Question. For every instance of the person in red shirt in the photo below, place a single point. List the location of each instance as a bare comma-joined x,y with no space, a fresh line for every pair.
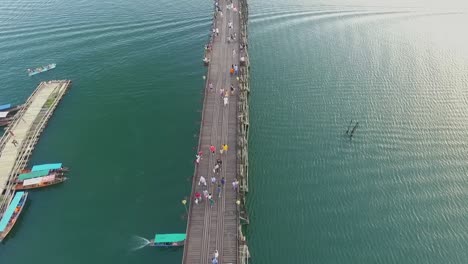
212,149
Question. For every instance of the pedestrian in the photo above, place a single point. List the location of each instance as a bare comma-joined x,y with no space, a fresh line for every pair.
198,196
14,142
226,100
217,30
202,181
198,158
216,254
235,185
219,190
211,200
236,69
225,147
232,89
205,194
219,161
212,149
196,200
211,86
213,180
216,168
231,71
223,181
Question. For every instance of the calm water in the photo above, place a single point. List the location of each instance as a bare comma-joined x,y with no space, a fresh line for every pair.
396,193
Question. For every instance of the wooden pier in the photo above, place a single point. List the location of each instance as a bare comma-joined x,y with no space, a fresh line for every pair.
219,227
21,136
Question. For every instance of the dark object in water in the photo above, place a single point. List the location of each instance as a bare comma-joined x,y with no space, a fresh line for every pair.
349,126
354,129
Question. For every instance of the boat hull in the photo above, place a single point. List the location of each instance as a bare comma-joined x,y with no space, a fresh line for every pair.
169,244
19,186
13,219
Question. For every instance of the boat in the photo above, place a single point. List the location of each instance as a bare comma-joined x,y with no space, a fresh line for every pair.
37,70
12,213
55,167
6,121
39,182
168,240
10,108
48,166
38,174
7,114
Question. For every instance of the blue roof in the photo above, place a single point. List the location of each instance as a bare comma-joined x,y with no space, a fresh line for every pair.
5,106
10,210
50,166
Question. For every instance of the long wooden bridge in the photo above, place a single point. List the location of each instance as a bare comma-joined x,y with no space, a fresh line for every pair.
21,136
218,226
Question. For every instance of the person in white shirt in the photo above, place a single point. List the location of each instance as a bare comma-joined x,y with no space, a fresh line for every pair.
202,181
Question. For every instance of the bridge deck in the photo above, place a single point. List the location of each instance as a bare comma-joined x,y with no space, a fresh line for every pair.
20,138
215,228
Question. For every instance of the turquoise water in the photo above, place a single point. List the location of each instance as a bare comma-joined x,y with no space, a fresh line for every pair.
127,127
398,191
395,193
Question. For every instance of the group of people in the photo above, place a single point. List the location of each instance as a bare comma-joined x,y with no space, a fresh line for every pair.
234,70
214,184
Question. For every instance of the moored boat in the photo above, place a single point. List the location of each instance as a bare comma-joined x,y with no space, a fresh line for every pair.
40,182
10,108
38,174
48,166
37,70
6,121
12,213
168,240
7,113
55,167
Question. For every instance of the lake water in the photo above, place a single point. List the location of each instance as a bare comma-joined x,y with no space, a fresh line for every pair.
396,193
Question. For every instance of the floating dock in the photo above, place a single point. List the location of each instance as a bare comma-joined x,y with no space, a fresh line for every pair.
21,136
220,227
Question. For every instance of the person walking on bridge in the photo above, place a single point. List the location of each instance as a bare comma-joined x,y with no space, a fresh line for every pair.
202,181
225,147
213,180
210,198
212,149
218,190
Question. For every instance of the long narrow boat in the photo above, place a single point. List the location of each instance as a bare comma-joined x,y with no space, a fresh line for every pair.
168,240
37,70
55,167
7,113
6,121
10,108
12,213
40,182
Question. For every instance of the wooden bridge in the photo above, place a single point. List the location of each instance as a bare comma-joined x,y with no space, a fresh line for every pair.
21,136
224,121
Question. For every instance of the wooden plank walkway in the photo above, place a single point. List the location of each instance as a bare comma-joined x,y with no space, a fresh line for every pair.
215,227
29,123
